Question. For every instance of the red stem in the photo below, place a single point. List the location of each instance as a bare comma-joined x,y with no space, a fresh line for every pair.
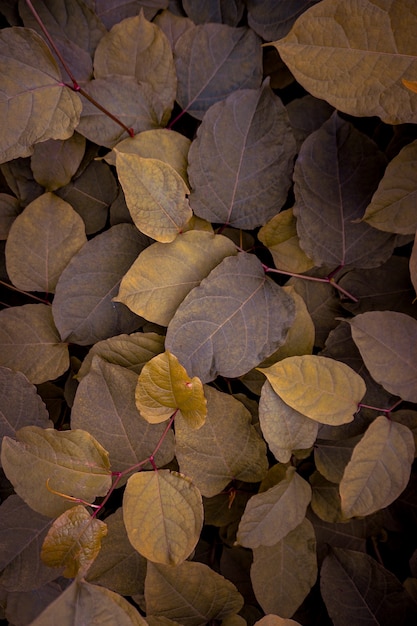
329,279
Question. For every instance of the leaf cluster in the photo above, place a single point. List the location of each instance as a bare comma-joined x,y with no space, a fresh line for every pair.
208,370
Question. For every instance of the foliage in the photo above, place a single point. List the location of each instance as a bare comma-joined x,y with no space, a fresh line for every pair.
207,329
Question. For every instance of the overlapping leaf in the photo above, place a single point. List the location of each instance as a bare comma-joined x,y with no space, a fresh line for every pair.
9,210
235,305
54,162
163,515
165,273
226,447
346,164
375,58
35,106
379,468
111,14
274,620
43,461
224,12
272,20
173,25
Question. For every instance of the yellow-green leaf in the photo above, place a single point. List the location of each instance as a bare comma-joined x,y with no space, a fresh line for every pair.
42,462
163,515
375,47
73,541
41,242
379,468
164,386
165,273
271,515
323,389
155,195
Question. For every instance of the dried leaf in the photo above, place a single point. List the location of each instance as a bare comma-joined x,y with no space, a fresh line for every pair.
54,162
9,210
272,20
222,11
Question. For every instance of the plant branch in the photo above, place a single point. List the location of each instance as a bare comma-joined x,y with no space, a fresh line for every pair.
328,279
25,293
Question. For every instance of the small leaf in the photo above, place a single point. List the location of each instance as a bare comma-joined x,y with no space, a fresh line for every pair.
73,541
235,305
111,14
54,162
164,386
155,195
386,342
320,388
379,468
165,273
222,449
224,12
41,242
271,515
191,593
172,25
295,555
274,620
70,462
30,343
9,210
163,515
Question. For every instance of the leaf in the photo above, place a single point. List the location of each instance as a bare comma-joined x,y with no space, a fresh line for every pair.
83,307
163,515
370,592
274,620
19,178
284,428
155,195
306,115
83,602
352,166
104,405
41,242
22,531
392,208
379,468
41,460
320,388
241,162
9,210
73,541
235,305
212,61
164,387
222,449
54,162
271,515
279,235
135,47
295,555
20,404
325,500
30,343
165,273
413,266
272,20
191,593
385,340
331,457
375,59
35,105
223,11
173,25
117,10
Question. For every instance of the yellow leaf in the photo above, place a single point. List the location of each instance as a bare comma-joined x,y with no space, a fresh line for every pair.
73,541
323,389
164,386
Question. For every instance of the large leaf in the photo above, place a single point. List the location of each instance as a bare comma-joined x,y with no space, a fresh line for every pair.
73,541
191,593
323,389
43,461
269,516
351,166
212,61
164,387
83,309
104,405
295,555
163,515
41,242
30,343
155,195
375,47
34,104
203,456
241,162
238,306
379,468
386,341
165,273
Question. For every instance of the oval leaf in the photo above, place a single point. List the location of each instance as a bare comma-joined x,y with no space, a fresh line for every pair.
323,389
238,306
55,162
379,468
163,515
